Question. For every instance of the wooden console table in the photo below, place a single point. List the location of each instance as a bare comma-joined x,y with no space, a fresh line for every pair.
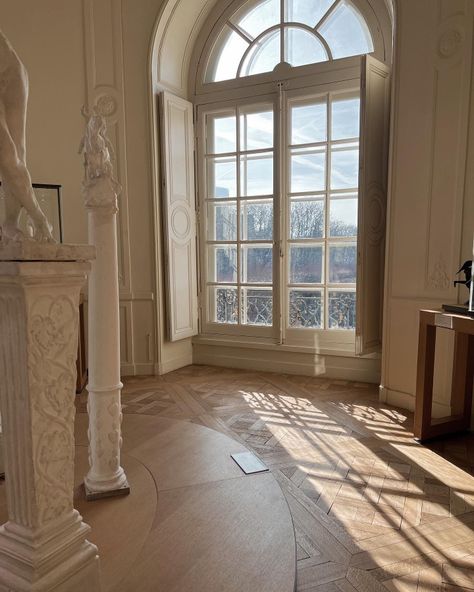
463,374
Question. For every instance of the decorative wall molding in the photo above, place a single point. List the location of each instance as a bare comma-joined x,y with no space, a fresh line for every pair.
106,105
452,68
439,278
376,213
126,333
450,42
105,88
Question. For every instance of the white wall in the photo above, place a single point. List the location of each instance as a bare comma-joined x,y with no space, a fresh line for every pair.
432,180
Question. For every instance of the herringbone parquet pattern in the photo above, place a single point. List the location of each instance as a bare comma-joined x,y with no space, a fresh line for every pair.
373,510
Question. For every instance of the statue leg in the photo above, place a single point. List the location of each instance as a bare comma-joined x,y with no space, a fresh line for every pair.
10,227
12,215
13,169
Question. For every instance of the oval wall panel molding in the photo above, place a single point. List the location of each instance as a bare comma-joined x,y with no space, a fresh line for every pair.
181,222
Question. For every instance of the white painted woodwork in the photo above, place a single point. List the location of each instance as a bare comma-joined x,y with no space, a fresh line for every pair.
373,171
177,133
43,545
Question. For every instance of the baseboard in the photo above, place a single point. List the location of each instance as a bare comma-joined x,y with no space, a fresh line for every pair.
173,364
127,369
140,369
397,398
407,401
337,367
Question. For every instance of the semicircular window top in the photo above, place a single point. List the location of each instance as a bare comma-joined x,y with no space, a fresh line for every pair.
260,35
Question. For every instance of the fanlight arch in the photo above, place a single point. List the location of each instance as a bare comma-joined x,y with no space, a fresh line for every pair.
262,34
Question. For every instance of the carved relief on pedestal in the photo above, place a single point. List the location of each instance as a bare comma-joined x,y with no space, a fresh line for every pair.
52,349
115,435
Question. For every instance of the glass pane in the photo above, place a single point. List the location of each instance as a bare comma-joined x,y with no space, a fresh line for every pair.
342,264
224,305
258,19
221,134
263,56
257,306
256,174
306,265
306,219
346,32
256,130
309,123
308,171
225,56
257,264
222,264
345,169
343,217
222,222
222,177
342,310
309,12
256,220
306,309
345,118
302,47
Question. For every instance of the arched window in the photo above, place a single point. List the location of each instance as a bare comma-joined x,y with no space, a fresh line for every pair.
290,114
263,34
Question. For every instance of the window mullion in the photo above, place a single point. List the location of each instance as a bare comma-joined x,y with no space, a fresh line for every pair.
327,210
239,194
282,31
282,209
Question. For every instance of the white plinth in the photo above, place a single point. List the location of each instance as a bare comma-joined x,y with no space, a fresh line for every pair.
43,546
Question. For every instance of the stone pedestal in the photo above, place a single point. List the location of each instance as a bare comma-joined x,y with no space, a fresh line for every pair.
43,546
106,477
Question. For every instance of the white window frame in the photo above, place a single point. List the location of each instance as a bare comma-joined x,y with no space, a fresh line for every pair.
340,76
374,12
307,335
207,326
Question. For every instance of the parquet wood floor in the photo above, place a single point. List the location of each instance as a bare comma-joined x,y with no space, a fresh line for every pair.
373,510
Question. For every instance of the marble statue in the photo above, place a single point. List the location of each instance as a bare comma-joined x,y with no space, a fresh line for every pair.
100,188
14,173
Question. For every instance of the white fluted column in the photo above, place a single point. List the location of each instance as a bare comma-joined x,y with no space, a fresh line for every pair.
43,546
106,477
